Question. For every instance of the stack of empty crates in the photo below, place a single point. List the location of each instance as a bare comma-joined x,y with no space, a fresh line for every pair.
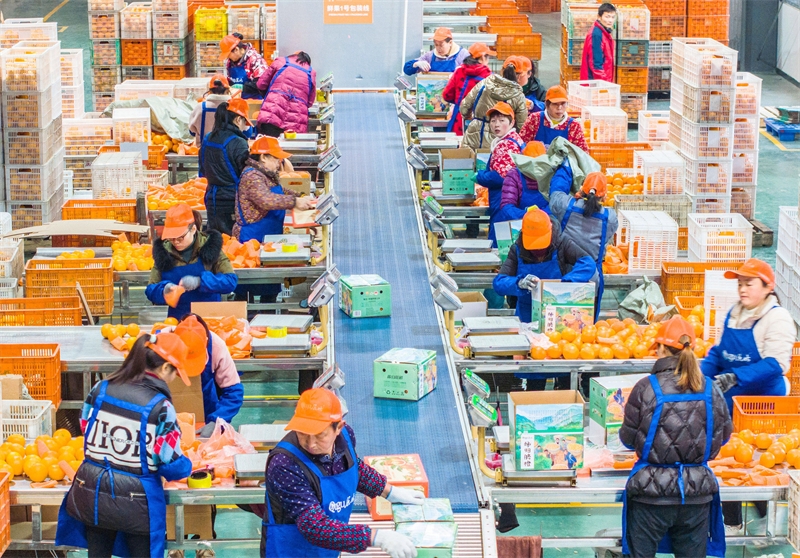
708,18
72,87
210,27
787,261
33,142
702,105
667,20
599,103
173,43
745,144
104,31
136,42
633,42
269,36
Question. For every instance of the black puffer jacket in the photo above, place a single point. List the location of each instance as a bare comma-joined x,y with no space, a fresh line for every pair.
680,438
213,162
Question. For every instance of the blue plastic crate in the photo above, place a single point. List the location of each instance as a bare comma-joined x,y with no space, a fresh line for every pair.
782,130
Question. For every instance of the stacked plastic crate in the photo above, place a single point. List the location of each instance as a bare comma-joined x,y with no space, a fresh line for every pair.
33,141
136,43
708,18
12,259
577,20
702,102
246,20
745,144
667,20
633,43
174,44
269,35
82,139
787,261
210,26
514,33
72,87
104,31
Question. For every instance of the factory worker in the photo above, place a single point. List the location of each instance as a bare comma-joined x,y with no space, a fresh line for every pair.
474,69
291,89
201,121
446,55
754,353
520,192
675,420
534,90
186,257
116,503
553,122
243,65
313,475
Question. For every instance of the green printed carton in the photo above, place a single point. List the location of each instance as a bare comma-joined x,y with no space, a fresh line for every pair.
457,167
432,539
546,429
365,296
607,398
408,374
557,306
506,233
432,509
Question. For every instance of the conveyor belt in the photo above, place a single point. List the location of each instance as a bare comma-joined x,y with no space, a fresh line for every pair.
377,232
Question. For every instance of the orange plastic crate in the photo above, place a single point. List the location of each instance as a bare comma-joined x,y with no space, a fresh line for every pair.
688,278
770,414
508,11
170,72
555,5
501,20
80,241
49,311
123,209
632,80
5,511
616,155
685,303
708,7
683,238
710,27
39,364
59,277
794,370
529,45
137,52
664,8
568,72
509,29
156,157
540,7
663,28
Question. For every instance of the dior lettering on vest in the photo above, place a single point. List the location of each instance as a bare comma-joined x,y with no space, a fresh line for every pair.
116,438
735,358
336,507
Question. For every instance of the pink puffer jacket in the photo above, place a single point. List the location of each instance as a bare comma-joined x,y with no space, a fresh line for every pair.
290,96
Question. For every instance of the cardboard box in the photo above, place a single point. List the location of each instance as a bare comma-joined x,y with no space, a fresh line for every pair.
365,296
607,435
474,305
408,374
506,233
430,89
188,399
400,470
237,309
299,184
457,167
432,539
432,509
546,429
608,395
11,386
557,305
196,521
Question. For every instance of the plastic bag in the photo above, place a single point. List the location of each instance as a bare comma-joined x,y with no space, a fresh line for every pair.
219,450
645,304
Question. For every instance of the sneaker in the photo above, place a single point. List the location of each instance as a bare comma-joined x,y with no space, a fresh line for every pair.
734,530
205,553
175,554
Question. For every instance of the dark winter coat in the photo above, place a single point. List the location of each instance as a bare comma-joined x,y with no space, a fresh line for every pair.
680,438
213,164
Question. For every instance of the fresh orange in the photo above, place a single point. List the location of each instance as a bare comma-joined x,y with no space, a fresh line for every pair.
763,441
744,454
171,321
699,349
105,330
570,351
553,351
589,334
31,450
553,336
617,326
75,464
747,437
767,460
778,451
640,351
605,353
588,352
788,442
795,432
621,352
16,439
37,472
602,323
568,335
728,450
133,329
55,472
5,467
76,443
538,353
28,460
15,460
793,457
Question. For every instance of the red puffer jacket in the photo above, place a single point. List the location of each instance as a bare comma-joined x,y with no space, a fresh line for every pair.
461,82
598,54
292,91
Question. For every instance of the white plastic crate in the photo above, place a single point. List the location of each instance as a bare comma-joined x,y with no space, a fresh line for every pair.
35,182
101,100
269,20
719,296
104,25
13,31
794,508
9,288
710,204
207,55
659,54
171,24
704,62
135,73
676,206
106,5
84,136
605,124
663,171
700,141
156,178
136,21
36,213
653,126
71,67
31,66
30,419
168,5
105,79
725,237
12,258
106,52
701,105
633,104
245,20
191,88
652,238
69,190
207,73
633,22
783,271
745,134
748,94
117,175
31,110
5,226
143,89
708,177
787,232
593,93
745,168
131,125
743,201
81,169
72,102
580,18
33,146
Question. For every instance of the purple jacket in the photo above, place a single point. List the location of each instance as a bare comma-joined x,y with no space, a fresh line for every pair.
290,95
511,200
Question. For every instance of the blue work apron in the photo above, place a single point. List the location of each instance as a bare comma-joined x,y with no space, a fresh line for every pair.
72,532
210,198
288,94
184,306
716,528
496,194
530,197
444,64
237,75
740,345
547,135
338,496
460,98
536,104
204,109
603,218
483,120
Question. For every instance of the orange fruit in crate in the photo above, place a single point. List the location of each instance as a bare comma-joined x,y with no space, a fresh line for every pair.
538,353
767,460
763,441
570,351
747,437
699,349
778,451
698,311
553,351
793,457
744,453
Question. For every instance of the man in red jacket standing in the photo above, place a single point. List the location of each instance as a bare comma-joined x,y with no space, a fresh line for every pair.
598,49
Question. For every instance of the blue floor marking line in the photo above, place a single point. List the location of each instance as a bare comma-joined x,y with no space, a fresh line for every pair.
377,233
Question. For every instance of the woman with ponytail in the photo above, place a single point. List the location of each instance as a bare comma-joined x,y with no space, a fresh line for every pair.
676,420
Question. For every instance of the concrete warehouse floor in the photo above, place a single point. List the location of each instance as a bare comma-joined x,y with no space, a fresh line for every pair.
779,166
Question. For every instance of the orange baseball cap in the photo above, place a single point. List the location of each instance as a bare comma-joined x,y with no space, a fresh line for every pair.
226,46
534,149
595,181
672,331
501,108
556,94
217,80
537,230
479,49
317,409
194,335
753,268
173,349
177,221
442,33
266,145
513,60
524,64
239,106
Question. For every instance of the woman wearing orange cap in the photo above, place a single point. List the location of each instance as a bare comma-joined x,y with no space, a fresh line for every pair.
201,123
553,122
675,420
521,192
754,354
116,503
474,69
243,65
446,55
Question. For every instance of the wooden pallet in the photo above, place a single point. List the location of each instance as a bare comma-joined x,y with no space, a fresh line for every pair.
763,236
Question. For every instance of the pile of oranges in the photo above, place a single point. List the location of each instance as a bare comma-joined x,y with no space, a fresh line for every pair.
54,457
619,183
87,254
775,450
163,197
121,337
607,340
131,257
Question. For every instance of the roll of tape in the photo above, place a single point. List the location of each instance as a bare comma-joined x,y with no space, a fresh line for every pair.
200,479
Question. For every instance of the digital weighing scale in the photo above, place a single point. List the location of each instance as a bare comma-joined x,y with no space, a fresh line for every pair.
301,255
294,323
291,345
499,345
492,325
264,437
303,240
473,246
250,466
473,261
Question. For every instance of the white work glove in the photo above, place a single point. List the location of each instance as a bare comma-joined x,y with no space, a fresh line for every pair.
528,282
190,282
399,495
396,545
423,66
207,430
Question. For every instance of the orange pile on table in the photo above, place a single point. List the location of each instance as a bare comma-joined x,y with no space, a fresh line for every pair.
163,197
242,255
750,459
236,334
